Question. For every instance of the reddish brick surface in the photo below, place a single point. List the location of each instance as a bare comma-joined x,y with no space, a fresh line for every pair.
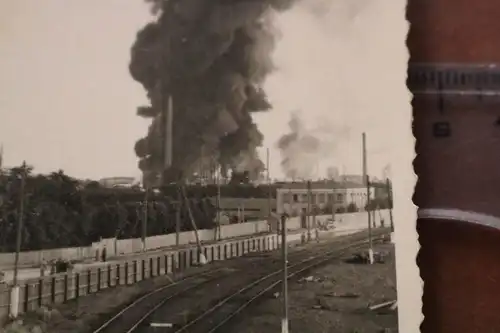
459,262
454,30
461,171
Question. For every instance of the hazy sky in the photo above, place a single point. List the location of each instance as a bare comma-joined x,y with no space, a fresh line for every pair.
67,100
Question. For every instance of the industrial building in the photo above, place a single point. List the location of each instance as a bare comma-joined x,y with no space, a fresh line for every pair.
293,198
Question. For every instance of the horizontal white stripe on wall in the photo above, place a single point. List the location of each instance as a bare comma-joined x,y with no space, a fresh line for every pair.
459,215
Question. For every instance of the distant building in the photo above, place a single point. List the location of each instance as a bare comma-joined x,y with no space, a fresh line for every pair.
293,198
357,179
332,173
118,182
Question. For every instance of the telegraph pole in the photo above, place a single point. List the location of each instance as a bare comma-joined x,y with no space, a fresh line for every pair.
20,223
178,219
365,167
333,202
389,197
370,243
308,218
169,119
269,199
366,180
284,253
145,218
219,212
14,296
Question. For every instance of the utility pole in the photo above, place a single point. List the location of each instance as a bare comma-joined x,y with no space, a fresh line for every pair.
308,217
14,309
284,254
366,180
169,119
389,197
219,212
370,243
365,167
20,223
178,219
269,199
145,218
334,197
201,172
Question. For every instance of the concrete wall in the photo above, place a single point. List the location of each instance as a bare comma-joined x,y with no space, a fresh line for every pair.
126,246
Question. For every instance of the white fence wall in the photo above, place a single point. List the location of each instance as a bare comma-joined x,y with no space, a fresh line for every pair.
127,246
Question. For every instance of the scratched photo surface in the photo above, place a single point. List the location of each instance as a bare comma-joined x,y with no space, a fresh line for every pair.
206,166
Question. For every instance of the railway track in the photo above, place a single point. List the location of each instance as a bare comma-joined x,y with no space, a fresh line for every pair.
260,279
223,312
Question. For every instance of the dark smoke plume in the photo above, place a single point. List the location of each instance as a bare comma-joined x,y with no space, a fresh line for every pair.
212,56
300,149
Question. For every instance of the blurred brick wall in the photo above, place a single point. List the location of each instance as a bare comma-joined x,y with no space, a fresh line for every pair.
459,262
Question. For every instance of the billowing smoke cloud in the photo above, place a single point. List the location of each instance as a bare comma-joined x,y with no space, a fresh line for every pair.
303,148
212,58
299,150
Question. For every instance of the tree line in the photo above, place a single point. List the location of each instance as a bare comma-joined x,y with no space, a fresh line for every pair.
58,211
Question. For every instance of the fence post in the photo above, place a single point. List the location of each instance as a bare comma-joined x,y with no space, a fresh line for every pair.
165,259
127,273
136,269
98,279
53,290
40,292
89,281
143,269
65,292
108,276
182,261
158,266
77,285
26,297
118,275
151,267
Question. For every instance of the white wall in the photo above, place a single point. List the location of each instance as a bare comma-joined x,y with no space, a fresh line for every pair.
127,246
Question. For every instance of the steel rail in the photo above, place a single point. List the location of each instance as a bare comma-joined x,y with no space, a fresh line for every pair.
143,301
139,301
316,261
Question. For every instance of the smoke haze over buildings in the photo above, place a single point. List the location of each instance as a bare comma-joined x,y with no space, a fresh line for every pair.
66,106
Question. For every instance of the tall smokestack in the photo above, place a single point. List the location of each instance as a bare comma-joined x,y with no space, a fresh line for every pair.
169,120
364,159
1,156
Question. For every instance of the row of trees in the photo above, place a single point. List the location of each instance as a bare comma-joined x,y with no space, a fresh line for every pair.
59,212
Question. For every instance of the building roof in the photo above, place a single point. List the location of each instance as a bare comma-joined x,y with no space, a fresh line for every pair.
324,184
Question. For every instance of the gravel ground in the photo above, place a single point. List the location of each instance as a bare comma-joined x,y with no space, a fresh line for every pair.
318,306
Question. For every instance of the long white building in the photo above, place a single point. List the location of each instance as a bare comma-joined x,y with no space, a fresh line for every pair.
293,199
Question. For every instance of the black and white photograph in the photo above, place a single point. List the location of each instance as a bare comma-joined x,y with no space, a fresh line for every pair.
206,166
